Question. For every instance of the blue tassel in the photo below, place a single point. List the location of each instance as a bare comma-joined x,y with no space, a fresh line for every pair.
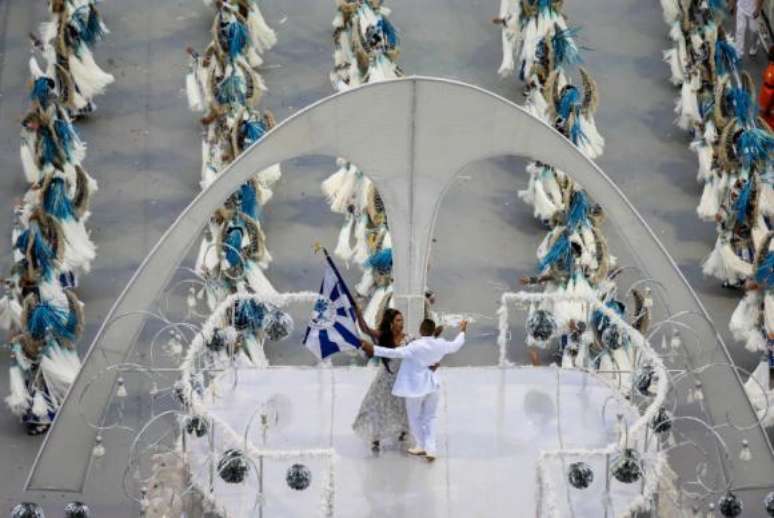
744,109
41,91
381,261
388,31
249,313
560,252
49,153
46,318
705,107
55,201
566,50
576,133
570,100
233,246
544,6
88,25
253,131
742,203
764,275
753,145
237,38
231,90
726,58
579,210
249,200
42,253
66,135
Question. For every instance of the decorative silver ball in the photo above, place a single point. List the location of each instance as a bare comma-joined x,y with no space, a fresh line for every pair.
27,510
730,505
232,467
541,325
77,510
298,477
768,504
643,379
277,325
626,466
580,475
662,421
197,425
612,337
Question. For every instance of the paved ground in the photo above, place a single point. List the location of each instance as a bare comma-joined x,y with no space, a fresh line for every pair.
144,150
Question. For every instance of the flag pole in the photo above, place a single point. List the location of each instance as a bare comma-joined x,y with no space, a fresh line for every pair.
317,248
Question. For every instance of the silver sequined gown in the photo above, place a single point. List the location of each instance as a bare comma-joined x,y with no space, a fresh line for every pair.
382,416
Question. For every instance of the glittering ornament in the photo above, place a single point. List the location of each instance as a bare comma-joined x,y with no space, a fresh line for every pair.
626,467
298,477
541,325
730,505
768,504
27,510
196,425
217,342
580,475
76,510
662,421
643,379
612,337
233,467
277,325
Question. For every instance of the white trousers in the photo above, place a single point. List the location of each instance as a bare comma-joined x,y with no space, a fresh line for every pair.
745,22
422,419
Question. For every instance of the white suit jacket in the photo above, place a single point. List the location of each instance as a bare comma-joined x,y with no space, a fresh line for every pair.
415,379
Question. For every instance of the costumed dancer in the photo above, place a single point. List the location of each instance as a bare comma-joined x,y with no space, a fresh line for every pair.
66,42
225,86
365,50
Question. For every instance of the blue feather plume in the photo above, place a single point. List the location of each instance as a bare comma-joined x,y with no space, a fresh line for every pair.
742,203
237,36
232,90
764,274
41,91
56,202
42,253
249,200
388,31
249,313
579,210
88,24
49,150
381,261
744,109
66,135
568,102
560,252
726,58
754,144
233,246
719,6
253,131
566,50
45,318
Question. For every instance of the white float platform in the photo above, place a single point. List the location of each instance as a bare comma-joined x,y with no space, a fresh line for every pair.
493,424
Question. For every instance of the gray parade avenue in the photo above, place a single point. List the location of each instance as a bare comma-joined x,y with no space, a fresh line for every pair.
144,150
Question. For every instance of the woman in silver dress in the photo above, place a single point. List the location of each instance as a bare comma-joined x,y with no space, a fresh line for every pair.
382,416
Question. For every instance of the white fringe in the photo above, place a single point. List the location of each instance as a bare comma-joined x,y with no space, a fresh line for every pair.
91,79
31,171
19,398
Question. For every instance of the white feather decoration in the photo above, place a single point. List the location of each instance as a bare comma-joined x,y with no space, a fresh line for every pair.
31,171
194,92
19,398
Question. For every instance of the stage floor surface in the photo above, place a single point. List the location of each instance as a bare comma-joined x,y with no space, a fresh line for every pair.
493,424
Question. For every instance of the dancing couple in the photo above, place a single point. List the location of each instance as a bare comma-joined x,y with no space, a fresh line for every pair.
403,396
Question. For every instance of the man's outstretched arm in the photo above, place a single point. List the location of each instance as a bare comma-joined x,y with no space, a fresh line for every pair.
456,344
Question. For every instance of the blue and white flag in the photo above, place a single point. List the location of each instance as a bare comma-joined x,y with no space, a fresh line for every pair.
333,324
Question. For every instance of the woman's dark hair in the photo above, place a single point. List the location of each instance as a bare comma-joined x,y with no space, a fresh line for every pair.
386,339
771,53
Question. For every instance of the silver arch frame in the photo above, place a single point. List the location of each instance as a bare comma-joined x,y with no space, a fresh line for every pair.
412,136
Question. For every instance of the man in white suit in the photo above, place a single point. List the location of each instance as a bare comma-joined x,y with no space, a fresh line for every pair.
418,383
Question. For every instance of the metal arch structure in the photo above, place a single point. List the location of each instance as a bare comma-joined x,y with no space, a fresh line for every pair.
412,136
